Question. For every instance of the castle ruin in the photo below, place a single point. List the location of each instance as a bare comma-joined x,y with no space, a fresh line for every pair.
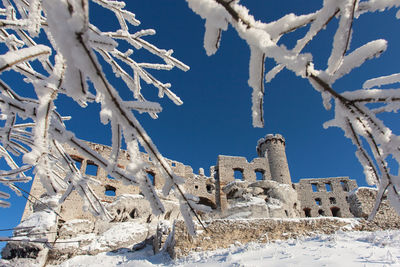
236,189
231,178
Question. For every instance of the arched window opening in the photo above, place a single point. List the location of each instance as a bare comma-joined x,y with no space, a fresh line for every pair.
238,174
207,202
110,191
321,212
314,187
318,201
260,174
196,187
134,213
307,212
78,161
336,212
328,187
332,200
344,185
287,213
91,168
151,177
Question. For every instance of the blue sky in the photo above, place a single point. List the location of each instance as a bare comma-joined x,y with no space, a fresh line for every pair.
215,118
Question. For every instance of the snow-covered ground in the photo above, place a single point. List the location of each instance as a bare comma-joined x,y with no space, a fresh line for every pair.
342,249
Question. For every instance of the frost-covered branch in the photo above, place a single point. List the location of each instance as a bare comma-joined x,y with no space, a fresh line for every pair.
68,60
375,142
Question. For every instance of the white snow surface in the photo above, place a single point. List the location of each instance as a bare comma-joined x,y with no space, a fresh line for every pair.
380,248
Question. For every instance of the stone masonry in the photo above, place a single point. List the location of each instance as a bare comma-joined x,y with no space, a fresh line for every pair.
317,196
236,189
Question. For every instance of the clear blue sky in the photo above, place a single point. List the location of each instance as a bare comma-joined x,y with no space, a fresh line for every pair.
215,118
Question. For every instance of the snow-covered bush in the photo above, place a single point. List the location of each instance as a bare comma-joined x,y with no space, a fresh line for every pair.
375,142
56,48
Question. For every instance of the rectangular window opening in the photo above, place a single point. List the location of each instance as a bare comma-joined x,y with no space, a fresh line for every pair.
328,187
314,187
91,168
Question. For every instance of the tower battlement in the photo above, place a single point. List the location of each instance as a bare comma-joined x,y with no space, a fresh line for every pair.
269,138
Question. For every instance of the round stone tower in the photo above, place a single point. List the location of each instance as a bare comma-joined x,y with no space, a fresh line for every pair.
273,147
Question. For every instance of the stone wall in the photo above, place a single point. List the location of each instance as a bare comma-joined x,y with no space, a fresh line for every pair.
108,188
362,202
224,233
226,167
325,196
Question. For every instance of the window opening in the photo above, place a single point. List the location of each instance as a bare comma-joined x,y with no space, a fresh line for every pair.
134,213
344,185
238,174
336,212
91,168
287,213
321,212
151,177
77,161
110,191
259,175
196,187
314,187
209,188
307,212
318,201
332,200
328,187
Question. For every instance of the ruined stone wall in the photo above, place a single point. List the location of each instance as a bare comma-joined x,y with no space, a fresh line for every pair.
224,233
362,201
325,196
226,167
108,188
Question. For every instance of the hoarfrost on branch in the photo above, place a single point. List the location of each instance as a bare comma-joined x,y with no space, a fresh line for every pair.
375,142
56,48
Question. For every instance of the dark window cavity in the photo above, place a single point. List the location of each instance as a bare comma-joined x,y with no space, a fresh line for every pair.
134,213
318,201
209,188
321,212
110,191
307,212
344,185
332,200
336,212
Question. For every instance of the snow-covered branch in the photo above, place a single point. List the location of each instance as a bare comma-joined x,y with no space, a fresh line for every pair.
67,61
375,142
